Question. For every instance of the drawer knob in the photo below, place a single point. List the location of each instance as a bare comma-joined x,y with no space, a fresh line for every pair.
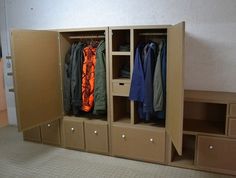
49,125
211,147
123,136
151,140
95,132
72,129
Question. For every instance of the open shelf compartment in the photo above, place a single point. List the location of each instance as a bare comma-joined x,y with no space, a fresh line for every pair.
146,35
121,40
121,109
188,154
156,119
205,117
120,67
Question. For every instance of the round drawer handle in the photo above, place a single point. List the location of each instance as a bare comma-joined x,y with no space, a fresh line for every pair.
151,140
123,136
72,129
211,147
95,132
49,125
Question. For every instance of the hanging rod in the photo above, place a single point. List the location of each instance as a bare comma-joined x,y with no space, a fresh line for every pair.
152,34
84,37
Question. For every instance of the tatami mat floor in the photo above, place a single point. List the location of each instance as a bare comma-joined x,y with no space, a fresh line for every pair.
25,159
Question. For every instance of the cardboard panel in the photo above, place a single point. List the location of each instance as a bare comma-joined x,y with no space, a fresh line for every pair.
140,144
74,134
216,153
232,127
51,133
232,109
96,137
175,87
33,134
37,80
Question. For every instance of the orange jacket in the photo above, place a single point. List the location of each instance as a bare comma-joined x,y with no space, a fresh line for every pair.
88,78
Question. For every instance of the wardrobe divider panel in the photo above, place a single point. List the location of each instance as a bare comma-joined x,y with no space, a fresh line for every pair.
33,134
36,77
175,87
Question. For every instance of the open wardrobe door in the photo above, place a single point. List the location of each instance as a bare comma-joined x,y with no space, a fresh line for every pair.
175,86
37,81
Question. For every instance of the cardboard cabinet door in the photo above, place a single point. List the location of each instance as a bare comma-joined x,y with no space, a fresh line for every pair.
175,86
37,81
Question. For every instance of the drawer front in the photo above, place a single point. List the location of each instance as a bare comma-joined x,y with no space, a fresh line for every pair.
96,137
137,143
218,153
74,134
120,88
51,133
33,134
232,127
232,109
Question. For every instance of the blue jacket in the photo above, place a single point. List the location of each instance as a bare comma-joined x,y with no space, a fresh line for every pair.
137,83
142,79
149,66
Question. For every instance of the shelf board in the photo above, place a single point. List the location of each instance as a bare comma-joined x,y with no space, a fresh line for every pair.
187,159
87,117
209,96
122,80
121,53
151,124
195,126
125,120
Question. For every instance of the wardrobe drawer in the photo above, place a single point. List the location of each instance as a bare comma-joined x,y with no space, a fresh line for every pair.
74,134
232,109
232,127
216,153
96,137
33,134
120,88
51,133
138,143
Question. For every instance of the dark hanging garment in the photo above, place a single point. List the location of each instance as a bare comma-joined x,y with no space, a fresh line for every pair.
161,115
67,80
76,78
100,91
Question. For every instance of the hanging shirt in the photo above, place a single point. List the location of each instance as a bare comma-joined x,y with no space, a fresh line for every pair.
88,78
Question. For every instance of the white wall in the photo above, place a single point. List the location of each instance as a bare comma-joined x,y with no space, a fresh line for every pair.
210,30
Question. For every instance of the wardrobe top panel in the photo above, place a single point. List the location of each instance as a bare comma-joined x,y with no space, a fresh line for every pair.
140,27
210,96
65,30
82,29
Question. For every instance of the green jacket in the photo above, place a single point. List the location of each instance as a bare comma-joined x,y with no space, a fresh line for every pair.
100,91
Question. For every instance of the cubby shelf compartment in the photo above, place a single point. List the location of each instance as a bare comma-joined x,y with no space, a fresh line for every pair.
205,117
120,37
121,67
121,109
188,156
